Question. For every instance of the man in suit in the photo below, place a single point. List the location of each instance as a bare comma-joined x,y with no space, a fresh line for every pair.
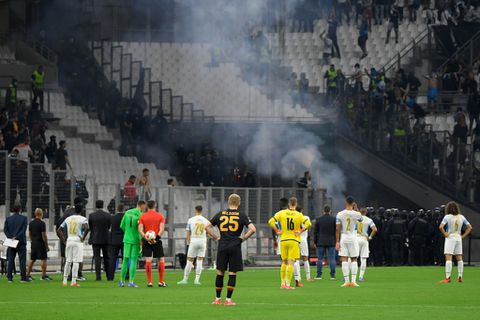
116,238
324,241
15,228
99,224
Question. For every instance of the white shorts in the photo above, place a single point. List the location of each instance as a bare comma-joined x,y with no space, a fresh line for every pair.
304,248
197,249
74,251
363,247
453,246
349,249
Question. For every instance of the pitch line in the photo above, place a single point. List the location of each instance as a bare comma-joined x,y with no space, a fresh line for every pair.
163,303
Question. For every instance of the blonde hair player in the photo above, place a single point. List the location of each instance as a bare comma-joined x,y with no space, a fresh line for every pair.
289,224
451,228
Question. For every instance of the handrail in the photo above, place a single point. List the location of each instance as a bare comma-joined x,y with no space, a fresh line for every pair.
459,51
406,50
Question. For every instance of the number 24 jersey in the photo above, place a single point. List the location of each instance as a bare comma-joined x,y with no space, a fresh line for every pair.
231,224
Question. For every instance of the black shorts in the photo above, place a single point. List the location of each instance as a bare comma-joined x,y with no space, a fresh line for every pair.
38,252
155,250
230,258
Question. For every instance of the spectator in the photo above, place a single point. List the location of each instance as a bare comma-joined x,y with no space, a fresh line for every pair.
129,190
324,241
357,78
38,83
11,98
331,76
379,6
144,185
303,91
116,239
393,21
413,6
99,224
327,48
368,12
358,9
24,150
432,95
332,35
363,37
51,149
343,7
39,244
413,85
400,4
341,82
294,89
15,228
61,157
38,149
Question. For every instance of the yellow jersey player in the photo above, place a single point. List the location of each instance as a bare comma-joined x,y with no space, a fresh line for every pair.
289,225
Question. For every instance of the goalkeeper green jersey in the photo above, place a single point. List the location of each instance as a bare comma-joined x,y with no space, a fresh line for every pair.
129,225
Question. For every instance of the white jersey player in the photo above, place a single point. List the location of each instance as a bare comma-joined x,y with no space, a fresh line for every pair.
76,229
347,242
304,255
451,228
363,228
197,241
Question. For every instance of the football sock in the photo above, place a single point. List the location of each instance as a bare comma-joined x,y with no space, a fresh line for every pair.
232,279
363,266
306,264
66,271
188,269
296,270
133,269
123,272
288,274
161,271
346,271
148,270
283,272
460,268
448,268
354,268
198,269
218,286
75,272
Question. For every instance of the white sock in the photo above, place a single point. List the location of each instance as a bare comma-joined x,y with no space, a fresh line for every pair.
198,270
346,271
66,271
296,270
75,272
354,268
363,266
188,269
460,268
448,269
306,264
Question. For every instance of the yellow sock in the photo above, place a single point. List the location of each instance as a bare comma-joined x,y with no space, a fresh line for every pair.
289,274
283,269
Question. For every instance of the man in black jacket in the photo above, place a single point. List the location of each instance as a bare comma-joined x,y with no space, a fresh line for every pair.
99,224
116,238
324,241
418,231
15,228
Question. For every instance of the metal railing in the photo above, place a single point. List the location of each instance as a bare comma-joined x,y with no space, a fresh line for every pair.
468,53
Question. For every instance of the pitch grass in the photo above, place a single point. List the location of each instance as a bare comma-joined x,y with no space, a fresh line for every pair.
389,293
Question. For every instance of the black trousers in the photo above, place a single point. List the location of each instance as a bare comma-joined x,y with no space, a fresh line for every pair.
116,251
21,250
104,248
38,94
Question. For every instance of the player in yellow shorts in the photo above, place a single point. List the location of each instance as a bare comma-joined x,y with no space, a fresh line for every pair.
289,224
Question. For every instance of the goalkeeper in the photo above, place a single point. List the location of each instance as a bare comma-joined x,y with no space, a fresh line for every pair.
131,243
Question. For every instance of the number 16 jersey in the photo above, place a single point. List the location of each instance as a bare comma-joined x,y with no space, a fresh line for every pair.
230,223
289,222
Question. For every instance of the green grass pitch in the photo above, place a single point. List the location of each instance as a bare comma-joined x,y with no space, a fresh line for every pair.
389,293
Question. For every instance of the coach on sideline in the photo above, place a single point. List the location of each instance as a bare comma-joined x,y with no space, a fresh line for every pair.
99,223
15,228
324,241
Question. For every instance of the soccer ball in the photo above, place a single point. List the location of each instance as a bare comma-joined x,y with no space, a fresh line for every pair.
150,235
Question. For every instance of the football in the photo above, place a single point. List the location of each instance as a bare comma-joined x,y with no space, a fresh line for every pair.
150,235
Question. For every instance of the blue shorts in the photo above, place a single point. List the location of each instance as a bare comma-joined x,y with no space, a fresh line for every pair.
432,95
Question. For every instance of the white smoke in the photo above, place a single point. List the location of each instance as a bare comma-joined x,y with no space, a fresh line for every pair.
288,150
